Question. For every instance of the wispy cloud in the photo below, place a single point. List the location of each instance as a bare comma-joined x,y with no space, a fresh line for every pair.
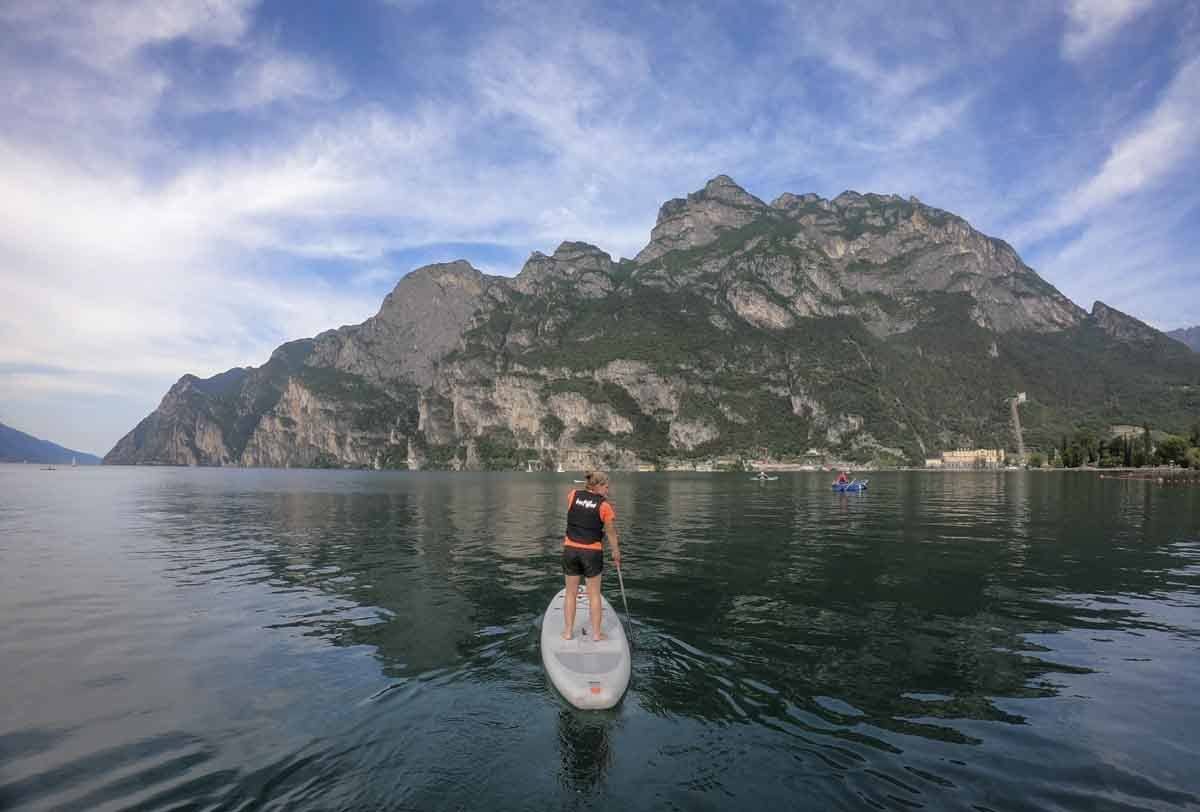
1129,256
262,79
1142,158
107,34
1139,161
1092,23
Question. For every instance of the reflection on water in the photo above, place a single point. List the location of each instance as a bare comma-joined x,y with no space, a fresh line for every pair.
583,740
272,639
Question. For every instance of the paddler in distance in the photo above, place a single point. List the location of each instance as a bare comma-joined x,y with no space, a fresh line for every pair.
590,518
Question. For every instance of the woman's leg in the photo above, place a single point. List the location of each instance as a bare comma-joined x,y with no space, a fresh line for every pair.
597,607
569,606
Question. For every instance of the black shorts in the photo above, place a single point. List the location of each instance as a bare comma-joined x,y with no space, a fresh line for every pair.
588,563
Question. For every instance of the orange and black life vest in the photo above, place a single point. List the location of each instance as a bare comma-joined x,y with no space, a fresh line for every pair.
584,525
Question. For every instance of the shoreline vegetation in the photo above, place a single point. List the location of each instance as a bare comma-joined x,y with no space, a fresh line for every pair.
1161,474
1124,452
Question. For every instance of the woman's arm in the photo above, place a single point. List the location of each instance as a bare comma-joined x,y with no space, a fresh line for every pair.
614,544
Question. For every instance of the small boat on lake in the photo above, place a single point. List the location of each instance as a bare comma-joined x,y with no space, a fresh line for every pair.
853,485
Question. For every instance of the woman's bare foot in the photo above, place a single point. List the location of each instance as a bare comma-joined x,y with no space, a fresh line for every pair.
598,636
568,636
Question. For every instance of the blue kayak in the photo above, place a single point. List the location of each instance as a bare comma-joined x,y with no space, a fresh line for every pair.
854,485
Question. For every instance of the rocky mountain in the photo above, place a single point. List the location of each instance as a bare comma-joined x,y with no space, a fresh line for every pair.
866,327
1189,336
17,446
1124,327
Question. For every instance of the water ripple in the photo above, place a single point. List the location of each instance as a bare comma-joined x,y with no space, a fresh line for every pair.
255,639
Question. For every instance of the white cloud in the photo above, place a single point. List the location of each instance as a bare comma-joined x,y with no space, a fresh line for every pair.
263,78
1092,23
375,275
104,274
106,34
931,120
873,44
1168,136
18,384
1139,162
94,88
1128,256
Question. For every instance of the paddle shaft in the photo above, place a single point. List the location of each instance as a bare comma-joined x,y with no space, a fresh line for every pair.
621,581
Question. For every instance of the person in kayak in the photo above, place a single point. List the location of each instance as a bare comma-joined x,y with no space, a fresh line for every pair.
843,479
590,518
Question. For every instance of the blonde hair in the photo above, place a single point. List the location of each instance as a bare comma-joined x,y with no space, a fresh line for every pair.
595,479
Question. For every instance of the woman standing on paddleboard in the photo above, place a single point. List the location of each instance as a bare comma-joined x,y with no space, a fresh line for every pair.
590,518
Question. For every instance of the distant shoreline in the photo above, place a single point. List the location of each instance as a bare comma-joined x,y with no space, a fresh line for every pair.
1146,473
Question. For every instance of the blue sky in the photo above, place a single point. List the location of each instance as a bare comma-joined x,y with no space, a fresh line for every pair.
186,184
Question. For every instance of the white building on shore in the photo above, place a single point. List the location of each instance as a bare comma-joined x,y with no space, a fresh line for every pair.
968,458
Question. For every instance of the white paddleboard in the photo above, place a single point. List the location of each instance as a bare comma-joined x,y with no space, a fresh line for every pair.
589,674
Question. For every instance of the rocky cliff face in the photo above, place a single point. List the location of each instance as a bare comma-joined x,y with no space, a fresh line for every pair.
699,219
420,321
183,430
1123,327
867,326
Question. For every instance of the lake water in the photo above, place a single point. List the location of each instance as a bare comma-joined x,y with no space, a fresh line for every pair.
242,639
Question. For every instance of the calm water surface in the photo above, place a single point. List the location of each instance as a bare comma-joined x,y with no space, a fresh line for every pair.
239,639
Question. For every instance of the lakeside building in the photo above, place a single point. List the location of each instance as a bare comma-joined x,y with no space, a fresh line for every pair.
968,458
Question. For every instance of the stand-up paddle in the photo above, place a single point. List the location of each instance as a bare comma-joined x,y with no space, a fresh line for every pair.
621,581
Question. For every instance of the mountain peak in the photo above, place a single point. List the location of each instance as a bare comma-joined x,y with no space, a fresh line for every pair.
574,251
458,268
428,280
725,189
697,220
787,201
1121,325
569,260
